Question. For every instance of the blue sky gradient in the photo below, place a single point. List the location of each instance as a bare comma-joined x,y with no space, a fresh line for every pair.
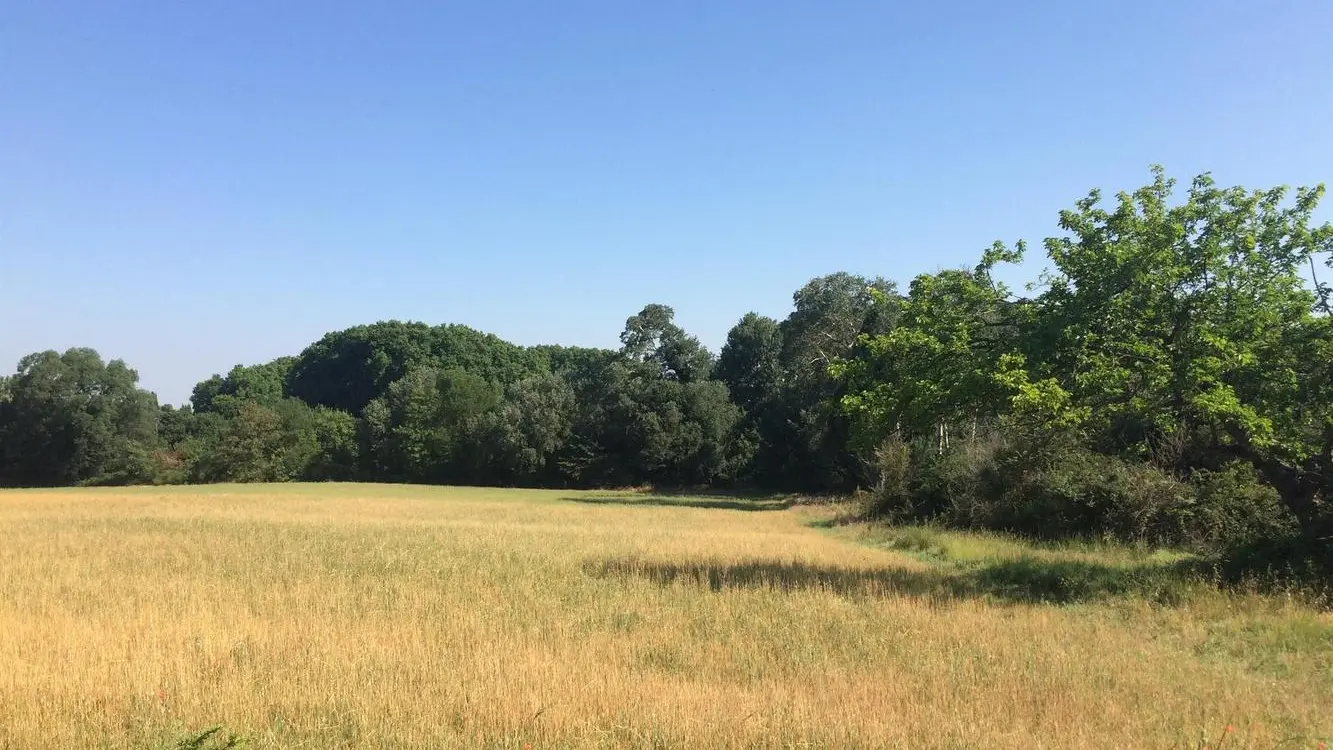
189,186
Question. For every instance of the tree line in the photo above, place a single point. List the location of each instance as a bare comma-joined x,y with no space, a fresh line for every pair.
1169,378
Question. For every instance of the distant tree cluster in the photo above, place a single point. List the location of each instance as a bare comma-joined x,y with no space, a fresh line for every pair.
1170,379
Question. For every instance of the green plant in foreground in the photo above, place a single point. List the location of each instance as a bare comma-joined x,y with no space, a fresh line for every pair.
213,738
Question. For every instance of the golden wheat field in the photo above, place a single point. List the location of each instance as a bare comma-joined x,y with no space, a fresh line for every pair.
323,616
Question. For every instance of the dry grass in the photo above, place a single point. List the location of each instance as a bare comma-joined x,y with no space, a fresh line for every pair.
376,616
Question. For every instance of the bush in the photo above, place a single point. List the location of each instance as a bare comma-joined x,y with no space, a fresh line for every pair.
1053,486
1073,491
1295,564
891,497
918,539
213,738
959,484
1234,508
1083,493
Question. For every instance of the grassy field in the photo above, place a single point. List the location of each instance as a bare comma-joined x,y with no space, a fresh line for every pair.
323,616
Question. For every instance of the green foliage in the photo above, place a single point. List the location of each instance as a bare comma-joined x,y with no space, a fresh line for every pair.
830,314
565,360
1194,320
337,455
348,369
651,337
960,483
1169,381
263,383
793,435
175,426
751,362
949,358
892,496
527,430
213,738
1174,345
71,418
1059,489
1234,508
425,427
260,443
1080,493
637,424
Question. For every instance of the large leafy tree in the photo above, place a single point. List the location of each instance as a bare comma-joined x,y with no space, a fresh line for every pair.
523,435
258,442
750,365
337,455
263,383
830,314
638,427
425,427
649,413
802,433
348,369
751,361
652,337
73,418
1191,325
949,359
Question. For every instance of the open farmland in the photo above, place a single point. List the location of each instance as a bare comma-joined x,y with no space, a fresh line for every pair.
393,616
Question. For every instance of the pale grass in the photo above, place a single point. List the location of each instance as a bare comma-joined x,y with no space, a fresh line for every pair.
327,616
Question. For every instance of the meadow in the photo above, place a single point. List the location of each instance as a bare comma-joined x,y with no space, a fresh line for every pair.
343,615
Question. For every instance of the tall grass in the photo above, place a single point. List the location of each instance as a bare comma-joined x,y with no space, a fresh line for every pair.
393,617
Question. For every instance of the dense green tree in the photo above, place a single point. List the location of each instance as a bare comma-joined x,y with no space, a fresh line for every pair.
636,426
205,391
348,369
653,338
257,442
175,425
750,365
947,360
650,414
802,433
751,361
831,312
423,429
262,383
72,418
1177,336
1191,328
521,437
406,440
337,454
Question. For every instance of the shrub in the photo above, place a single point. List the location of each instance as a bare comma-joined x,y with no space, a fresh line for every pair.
959,484
919,539
1234,508
1082,493
1053,486
213,738
891,497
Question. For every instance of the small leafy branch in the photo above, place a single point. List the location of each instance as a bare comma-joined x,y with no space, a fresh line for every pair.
213,738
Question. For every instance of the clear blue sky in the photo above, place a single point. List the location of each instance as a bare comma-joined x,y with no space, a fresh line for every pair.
192,185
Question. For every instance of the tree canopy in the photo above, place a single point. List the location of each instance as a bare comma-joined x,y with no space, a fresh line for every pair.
1170,375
